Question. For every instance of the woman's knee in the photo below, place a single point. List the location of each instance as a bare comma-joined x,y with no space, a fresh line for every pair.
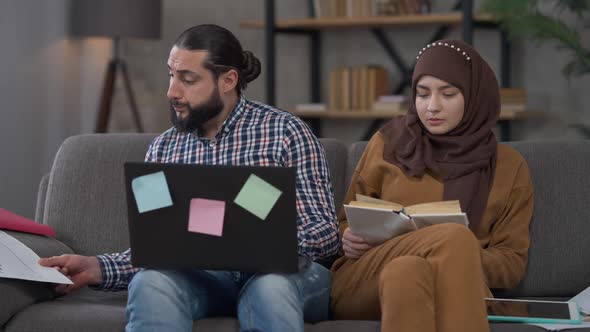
457,237
404,269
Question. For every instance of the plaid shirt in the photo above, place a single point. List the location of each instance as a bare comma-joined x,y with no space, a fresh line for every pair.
258,135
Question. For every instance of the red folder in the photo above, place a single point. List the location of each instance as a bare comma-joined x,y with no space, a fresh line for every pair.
14,222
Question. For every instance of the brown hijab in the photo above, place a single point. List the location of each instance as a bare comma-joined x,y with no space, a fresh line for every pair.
465,157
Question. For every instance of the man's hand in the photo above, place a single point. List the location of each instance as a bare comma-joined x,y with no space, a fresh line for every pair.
82,270
354,246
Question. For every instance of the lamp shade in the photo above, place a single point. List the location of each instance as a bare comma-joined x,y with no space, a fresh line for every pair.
116,18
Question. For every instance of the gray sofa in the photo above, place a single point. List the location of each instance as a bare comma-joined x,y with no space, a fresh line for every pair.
83,200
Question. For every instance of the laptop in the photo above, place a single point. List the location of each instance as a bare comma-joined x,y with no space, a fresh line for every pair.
160,238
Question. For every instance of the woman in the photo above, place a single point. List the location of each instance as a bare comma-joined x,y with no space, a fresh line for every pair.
435,278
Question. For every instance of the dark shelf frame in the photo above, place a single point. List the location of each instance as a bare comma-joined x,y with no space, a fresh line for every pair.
314,35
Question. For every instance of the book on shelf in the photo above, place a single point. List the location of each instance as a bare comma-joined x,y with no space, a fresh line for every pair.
316,107
392,103
356,88
367,8
513,96
386,8
513,107
516,93
377,220
513,99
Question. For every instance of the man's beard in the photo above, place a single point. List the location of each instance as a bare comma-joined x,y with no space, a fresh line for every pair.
198,115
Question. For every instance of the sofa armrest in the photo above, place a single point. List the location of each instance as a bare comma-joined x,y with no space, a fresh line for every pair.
18,294
41,195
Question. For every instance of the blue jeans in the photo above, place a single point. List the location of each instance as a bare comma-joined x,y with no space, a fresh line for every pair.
166,300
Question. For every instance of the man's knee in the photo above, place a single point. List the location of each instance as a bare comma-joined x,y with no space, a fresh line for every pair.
271,285
154,281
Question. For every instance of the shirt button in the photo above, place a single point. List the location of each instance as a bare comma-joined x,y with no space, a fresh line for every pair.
212,144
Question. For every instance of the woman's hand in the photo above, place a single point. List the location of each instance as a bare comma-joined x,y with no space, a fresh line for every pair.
354,246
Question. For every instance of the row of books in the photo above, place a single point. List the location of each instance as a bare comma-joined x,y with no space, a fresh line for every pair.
368,88
511,99
357,88
368,8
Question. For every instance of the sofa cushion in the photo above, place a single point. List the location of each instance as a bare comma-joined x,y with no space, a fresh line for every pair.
85,310
336,155
355,152
41,193
558,254
96,311
18,294
85,201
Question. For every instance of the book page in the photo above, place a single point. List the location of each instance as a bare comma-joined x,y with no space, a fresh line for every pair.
425,220
377,225
388,206
442,207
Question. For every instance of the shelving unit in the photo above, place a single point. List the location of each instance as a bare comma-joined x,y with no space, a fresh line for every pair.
462,15
505,119
451,19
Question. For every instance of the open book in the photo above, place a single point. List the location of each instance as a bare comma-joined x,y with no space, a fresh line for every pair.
377,220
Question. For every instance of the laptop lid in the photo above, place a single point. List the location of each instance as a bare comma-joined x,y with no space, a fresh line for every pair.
248,240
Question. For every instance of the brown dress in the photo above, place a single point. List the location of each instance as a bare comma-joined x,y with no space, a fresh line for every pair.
433,279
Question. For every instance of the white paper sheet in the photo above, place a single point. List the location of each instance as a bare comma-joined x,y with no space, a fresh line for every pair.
18,261
583,301
559,327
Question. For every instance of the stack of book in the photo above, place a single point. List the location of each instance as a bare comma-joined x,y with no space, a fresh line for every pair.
367,8
307,107
513,99
356,88
391,103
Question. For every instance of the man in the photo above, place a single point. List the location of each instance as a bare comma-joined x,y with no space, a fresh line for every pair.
215,124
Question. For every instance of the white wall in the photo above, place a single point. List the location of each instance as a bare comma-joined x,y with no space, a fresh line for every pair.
32,116
46,92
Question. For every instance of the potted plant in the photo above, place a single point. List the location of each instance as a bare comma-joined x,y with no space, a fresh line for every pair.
525,19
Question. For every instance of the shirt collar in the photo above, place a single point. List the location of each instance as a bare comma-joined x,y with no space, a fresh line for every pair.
233,117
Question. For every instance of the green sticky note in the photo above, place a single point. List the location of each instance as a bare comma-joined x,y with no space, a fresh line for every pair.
258,196
151,192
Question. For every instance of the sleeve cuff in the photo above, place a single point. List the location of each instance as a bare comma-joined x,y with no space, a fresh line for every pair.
107,267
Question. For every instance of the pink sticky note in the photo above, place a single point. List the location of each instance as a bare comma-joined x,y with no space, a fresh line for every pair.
206,216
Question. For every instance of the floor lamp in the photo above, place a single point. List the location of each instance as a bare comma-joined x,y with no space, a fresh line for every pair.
116,19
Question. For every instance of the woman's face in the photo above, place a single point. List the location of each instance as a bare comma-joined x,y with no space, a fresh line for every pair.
440,105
